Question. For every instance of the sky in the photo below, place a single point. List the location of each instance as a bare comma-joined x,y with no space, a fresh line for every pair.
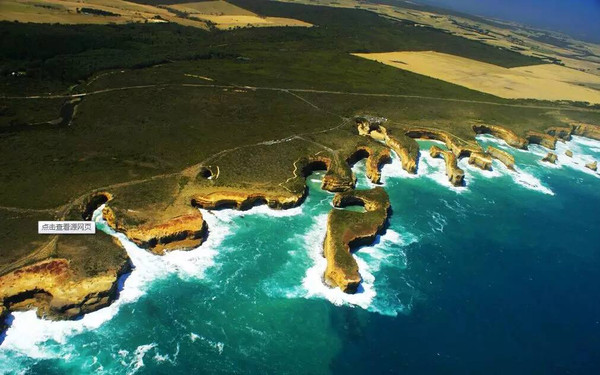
579,18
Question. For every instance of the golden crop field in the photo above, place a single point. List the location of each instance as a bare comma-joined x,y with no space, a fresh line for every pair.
543,82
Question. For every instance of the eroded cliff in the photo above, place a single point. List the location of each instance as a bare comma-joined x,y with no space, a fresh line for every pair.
455,174
347,230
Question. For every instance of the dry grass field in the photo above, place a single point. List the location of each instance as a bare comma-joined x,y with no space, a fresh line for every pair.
543,82
548,45
70,12
220,13
226,16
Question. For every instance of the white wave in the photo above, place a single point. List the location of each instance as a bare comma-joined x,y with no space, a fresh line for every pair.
587,142
435,169
228,215
472,170
529,181
138,357
217,345
360,171
159,358
369,260
266,211
582,154
584,150
313,281
27,333
455,206
520,176
439,222
394,169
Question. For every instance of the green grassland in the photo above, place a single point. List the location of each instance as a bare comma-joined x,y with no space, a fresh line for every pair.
56,56
456,117
146,114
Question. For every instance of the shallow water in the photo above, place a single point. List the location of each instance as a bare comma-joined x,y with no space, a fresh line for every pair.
500,276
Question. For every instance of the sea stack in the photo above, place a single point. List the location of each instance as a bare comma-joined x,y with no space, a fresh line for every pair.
455,174
593,166
550,158
348,229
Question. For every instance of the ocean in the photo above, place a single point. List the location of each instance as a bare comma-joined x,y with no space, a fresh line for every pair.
500,276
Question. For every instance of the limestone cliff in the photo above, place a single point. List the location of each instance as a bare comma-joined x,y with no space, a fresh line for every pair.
586,130
456,176
349,229
375,160
157,216
563,133
593,166
240,200
182,232
3,317
339,176
406,148
62,276
503,156
457,146
545,140
510,137
55,289
550,158
481,160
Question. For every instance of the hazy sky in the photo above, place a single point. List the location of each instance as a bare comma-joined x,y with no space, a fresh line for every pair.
581,17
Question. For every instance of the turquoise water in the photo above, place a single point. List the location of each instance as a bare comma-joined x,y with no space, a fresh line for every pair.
500,276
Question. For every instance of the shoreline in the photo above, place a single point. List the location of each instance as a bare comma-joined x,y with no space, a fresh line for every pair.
518,176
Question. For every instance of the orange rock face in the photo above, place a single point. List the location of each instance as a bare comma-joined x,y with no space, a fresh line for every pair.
503,156
348,229
179,233
456,176
52,288
508,136
481,161
545,140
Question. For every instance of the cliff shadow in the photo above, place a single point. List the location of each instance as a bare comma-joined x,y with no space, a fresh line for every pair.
5,325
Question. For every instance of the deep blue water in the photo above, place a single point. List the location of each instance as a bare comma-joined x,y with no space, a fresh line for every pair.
498,277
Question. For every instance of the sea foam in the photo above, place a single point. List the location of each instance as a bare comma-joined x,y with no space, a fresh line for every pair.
369,259
27,333
522,175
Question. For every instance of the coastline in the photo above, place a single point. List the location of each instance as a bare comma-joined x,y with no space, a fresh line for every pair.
374,298
168,231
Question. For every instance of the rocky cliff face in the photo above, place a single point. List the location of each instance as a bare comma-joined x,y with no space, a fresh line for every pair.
243,200
481,160
65,276
510,137
376,157
550,158
593,166
3,317
348,229
338,176
504,157
456,176
53,287
182,232
563,133
406,148
545,140
586,130
408,151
